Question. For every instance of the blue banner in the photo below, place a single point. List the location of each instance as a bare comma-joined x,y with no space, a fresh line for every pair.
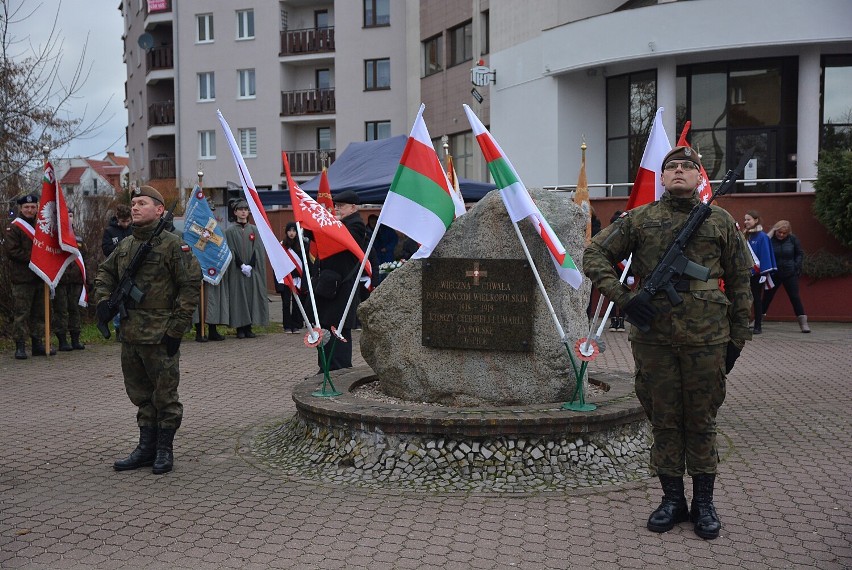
202,232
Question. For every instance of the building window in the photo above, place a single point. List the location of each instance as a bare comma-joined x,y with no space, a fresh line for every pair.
245,24
376,74
739,104
206,86
204,28
461,43
324,138
248,142
323,78
485,33
836,108
376,13
377,130
245,82
321,19
433,55
206,144
631,105
462,149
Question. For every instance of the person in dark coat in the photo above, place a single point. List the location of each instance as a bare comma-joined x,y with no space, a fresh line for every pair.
292,316
345,266
117,229
789,256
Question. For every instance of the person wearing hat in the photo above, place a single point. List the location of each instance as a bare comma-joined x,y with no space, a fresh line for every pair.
335,280
684,357
151,333
248,303
27,287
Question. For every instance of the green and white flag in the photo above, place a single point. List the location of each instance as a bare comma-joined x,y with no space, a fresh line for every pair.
420,202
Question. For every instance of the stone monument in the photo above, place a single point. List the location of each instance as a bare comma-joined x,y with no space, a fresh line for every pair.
492,308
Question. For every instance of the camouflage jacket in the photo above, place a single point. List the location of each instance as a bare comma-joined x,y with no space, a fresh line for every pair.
170,277
18,247
708,315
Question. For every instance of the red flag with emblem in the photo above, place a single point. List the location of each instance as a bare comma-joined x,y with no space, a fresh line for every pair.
54,242
705,191
329,233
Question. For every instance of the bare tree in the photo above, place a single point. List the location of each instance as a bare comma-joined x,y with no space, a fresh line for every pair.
35,93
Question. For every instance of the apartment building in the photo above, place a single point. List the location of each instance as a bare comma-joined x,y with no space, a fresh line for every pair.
300,76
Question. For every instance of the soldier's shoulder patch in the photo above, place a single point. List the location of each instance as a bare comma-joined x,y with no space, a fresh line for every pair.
624,214
184,247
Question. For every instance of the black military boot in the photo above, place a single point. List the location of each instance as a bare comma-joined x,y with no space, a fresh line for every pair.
63,343
703,514
144,453
21,349
38,347
75,341
673,509
198,336
213,334
165,459
248,333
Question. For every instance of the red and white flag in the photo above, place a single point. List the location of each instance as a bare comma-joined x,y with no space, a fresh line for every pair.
648,187
324,192
705,191
54,242
330,235
281,263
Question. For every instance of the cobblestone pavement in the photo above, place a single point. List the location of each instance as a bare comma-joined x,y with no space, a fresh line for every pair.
783,492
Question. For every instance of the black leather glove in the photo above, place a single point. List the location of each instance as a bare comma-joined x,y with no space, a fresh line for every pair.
104,312
640,312
731,356
172,344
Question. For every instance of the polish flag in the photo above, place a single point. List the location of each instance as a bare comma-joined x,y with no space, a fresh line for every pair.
648,187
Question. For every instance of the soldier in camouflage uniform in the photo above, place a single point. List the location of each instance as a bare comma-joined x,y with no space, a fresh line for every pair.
682,361
170,277
27,287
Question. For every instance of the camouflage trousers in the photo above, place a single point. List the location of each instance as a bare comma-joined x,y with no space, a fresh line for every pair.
29,310
681,389
66,308
151,380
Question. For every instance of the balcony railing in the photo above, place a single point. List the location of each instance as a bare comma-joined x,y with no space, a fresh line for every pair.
163,167
304,162
311,40
161,113
307,102
160,58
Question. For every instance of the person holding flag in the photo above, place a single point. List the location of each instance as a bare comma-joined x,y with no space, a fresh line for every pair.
28,319
682,352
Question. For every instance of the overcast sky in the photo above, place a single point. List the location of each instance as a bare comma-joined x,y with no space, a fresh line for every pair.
102,22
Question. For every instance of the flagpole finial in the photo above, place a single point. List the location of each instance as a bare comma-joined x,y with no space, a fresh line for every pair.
45,150
200,176
323,158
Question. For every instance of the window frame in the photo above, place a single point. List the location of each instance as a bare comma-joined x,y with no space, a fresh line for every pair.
371,14
208,28
372,65
206,142
245,18
466,30
438,42
244,142
246,79
371,129
210,86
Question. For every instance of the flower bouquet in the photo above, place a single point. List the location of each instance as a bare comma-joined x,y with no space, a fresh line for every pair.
389,266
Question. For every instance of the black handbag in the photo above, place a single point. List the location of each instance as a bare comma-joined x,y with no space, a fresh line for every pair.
327,283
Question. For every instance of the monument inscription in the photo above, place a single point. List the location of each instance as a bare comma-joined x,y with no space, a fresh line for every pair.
483,304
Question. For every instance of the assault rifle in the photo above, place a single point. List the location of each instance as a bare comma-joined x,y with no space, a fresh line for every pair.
127,288
674,263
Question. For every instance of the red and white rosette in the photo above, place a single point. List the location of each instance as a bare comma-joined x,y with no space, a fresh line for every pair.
586,351
337,335
314,337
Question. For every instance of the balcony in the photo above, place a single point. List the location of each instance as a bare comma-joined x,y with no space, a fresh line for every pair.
161,114
157,6
307,162
308,41
162,167
159,58
307,102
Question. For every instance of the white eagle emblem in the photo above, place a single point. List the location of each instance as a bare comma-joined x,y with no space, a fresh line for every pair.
47,218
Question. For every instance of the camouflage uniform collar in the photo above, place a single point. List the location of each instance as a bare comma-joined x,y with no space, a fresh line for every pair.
144,232
683,204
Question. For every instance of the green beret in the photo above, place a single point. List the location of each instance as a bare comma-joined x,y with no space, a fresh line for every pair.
682,153
150,192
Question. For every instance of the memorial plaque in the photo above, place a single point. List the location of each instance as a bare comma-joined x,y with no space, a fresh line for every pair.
483,304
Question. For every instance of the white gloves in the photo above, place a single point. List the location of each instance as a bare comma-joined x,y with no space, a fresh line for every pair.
246,269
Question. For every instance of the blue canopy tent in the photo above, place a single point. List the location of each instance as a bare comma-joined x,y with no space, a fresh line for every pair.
368,168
